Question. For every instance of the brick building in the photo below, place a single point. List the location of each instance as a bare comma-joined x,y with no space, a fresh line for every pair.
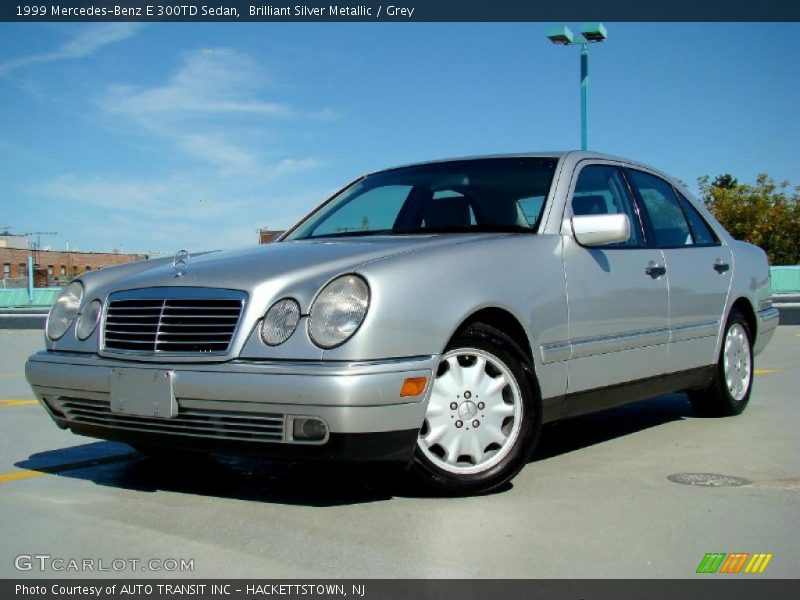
266,236
57,267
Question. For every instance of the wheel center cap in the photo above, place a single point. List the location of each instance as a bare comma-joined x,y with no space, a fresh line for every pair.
467,409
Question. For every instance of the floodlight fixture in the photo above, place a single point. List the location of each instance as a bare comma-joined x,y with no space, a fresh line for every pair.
594,32
561,35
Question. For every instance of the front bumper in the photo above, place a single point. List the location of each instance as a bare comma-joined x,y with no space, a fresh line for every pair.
246,407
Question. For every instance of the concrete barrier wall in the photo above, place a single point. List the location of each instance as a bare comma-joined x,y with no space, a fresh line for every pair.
16,297
785,280
785,286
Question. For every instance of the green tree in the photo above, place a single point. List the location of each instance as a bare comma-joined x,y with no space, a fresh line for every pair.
766,214
725,181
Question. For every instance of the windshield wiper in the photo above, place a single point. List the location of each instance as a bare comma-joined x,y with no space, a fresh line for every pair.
425,231
342,234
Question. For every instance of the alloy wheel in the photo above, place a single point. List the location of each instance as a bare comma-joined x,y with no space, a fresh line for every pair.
474,413
737,363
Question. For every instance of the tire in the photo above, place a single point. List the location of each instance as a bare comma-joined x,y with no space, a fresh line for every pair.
729,391
452,455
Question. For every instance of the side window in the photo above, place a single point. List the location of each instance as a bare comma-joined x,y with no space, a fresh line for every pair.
601,190
703,234
662,207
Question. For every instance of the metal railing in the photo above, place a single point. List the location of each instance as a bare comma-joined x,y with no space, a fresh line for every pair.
22,282
13,282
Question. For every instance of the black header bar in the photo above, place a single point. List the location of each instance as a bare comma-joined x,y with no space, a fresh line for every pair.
707,588
403,11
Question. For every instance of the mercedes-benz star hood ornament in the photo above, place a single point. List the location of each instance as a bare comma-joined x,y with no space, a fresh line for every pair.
181,263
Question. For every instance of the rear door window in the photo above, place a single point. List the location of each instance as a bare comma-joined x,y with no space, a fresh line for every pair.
670,228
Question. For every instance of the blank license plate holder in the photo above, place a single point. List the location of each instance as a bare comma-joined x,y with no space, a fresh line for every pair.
143,393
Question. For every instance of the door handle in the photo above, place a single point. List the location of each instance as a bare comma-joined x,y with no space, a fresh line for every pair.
720,267
654,270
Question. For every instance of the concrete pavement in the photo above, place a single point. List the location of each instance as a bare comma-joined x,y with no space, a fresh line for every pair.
594,502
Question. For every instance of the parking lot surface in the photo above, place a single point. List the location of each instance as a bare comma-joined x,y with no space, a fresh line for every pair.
595,500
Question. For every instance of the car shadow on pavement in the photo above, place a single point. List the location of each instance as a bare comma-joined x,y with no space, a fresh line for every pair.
309,484
315,483
587,430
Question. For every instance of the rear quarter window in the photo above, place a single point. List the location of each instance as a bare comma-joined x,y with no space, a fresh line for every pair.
703,234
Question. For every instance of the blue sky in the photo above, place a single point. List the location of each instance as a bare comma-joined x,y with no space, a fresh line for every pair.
164,136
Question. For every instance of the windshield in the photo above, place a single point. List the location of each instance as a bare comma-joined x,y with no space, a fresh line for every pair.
491,194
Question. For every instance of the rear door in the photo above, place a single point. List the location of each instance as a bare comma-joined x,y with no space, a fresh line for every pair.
698,270
617,294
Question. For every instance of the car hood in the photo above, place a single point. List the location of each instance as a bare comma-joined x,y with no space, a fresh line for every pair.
281,265
296,269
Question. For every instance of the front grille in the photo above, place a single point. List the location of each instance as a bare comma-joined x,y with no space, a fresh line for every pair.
196,422
179,325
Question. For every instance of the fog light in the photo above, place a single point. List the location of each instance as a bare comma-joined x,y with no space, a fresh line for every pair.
308,429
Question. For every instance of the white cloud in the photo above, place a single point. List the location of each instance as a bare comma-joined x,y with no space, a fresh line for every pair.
325,114
157,199
161,214
216,149
217,82
218,111
211,109
86,42
169,213
15,150
293,165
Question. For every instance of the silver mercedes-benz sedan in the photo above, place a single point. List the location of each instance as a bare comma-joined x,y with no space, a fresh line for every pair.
434,315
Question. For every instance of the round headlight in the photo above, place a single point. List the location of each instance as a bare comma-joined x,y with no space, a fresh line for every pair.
88,320
64,311
280,322
338,311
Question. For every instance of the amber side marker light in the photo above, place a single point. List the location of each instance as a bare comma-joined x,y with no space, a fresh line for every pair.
413,386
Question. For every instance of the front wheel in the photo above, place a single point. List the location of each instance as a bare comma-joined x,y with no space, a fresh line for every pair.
483,416
730,389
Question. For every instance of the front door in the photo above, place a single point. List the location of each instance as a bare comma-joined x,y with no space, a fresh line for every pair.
617,296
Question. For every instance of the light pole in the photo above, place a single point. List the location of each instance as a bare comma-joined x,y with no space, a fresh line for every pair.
592,33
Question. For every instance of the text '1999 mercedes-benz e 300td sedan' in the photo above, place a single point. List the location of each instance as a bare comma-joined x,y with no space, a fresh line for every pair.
435,315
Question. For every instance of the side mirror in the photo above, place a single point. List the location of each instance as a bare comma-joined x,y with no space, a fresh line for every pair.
598,230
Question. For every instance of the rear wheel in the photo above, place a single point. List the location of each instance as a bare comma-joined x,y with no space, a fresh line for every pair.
730,389
483,416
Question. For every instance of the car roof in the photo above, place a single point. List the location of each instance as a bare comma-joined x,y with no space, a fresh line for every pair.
576,155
